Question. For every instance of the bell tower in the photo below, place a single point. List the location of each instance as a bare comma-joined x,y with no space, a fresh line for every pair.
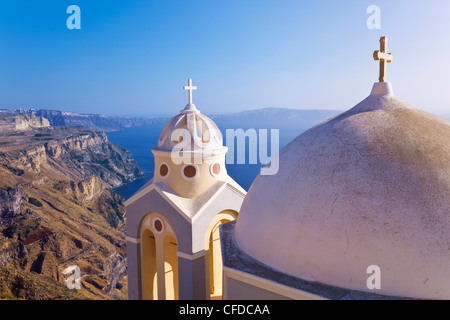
172,227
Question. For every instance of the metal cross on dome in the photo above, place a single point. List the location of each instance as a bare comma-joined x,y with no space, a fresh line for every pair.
383,57
190,87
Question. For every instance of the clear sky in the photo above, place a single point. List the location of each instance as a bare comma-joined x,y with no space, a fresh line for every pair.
133,57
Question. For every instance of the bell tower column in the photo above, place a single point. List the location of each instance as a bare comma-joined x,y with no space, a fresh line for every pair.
192,270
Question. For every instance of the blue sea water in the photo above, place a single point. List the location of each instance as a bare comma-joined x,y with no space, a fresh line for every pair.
140,140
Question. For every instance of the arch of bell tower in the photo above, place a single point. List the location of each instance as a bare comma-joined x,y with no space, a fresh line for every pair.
212,246
159,261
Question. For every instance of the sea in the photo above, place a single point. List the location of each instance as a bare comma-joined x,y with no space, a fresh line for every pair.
140,140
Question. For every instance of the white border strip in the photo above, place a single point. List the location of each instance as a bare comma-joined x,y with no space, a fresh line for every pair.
133,240
191,256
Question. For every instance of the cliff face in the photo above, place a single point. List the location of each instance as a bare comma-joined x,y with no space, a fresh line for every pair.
83,191
10,203
22,122
57,210
26,122
74,152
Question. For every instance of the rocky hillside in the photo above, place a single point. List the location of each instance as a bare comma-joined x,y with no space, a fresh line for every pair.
55,153
57,211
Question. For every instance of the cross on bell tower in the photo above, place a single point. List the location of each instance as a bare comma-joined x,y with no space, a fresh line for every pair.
190,87
383,57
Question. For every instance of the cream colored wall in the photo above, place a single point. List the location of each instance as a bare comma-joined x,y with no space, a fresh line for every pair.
188,188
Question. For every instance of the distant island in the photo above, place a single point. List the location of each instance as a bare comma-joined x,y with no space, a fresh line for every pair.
110,123
278,114
88,121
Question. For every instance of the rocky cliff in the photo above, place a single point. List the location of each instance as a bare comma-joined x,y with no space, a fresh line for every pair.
22,122
74,152
57,211
10,203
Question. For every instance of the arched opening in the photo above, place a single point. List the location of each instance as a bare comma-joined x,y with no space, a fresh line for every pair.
159,260
171,268
215,263
148,266
215,253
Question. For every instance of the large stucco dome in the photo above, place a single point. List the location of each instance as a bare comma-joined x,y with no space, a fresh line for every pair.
368,187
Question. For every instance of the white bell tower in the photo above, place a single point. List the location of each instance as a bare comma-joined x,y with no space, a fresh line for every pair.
172,228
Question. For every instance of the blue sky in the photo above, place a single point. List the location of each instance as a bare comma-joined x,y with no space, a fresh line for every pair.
133,57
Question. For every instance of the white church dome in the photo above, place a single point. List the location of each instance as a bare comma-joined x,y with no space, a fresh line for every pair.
191,130
368,187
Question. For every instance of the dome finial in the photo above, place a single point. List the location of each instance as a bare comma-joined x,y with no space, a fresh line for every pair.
383,57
